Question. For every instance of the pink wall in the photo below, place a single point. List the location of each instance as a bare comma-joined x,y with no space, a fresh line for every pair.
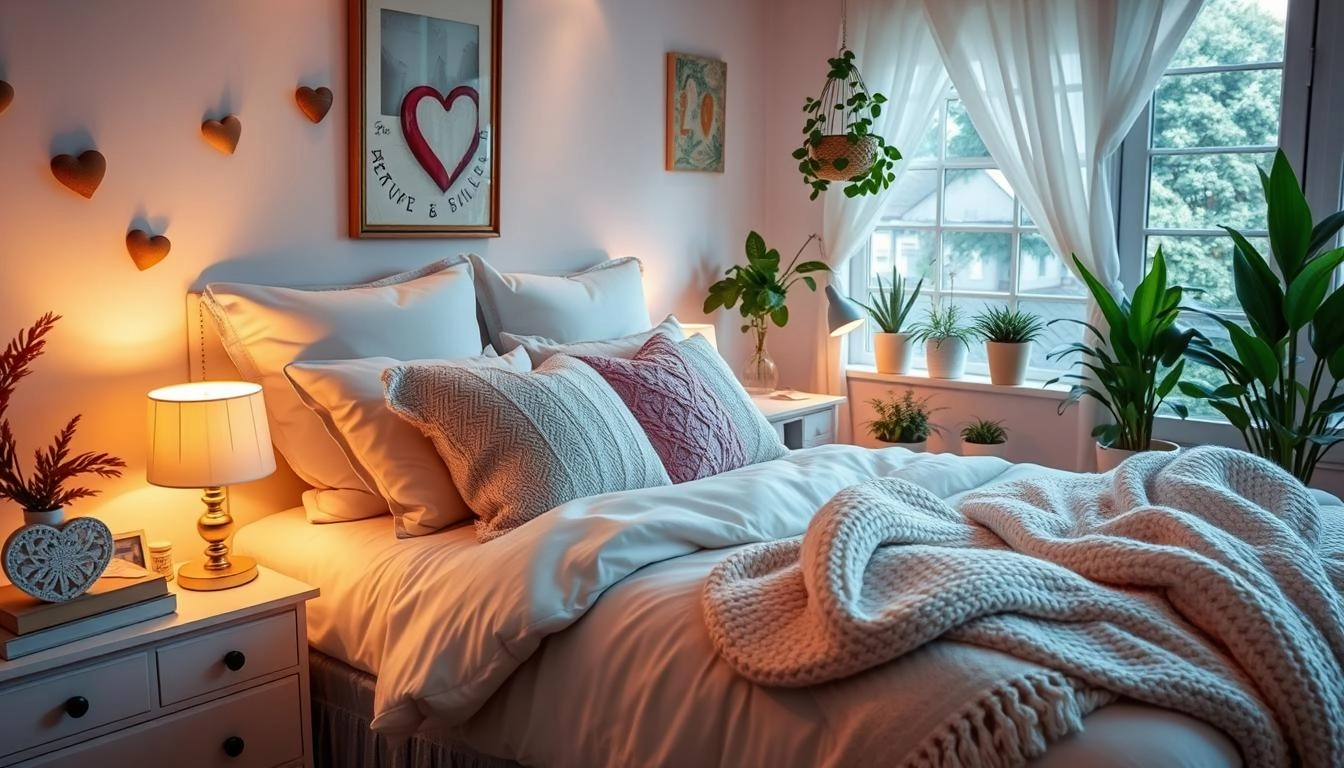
582,176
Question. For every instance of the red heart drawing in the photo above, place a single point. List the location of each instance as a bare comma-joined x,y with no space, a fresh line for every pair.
415,140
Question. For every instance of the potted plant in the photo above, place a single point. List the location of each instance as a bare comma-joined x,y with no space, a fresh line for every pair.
903,420
1132,368
889,311
983,437
838,142
947,337
1008,333
762,288
1287,407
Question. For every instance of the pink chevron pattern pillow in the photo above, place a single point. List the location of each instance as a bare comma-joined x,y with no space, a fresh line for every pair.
691,432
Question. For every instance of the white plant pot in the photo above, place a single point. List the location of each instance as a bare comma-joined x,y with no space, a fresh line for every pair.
920,447
892,352
1008,362
983,449
1110,458
946,358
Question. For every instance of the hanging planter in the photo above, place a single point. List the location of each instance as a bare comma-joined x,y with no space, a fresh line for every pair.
838,142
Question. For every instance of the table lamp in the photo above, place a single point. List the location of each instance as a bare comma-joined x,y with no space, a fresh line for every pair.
209,434
842,314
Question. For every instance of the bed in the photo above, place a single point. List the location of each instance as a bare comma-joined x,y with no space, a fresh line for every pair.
580,635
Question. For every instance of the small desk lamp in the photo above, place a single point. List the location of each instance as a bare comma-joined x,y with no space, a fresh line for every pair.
842,314
209,434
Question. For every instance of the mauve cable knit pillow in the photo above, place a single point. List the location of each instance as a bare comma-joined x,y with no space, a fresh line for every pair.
691,432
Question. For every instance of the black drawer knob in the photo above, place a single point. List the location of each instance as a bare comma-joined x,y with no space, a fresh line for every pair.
76,706
234,660
233,746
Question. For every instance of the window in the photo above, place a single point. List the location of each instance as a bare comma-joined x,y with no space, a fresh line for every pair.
954,220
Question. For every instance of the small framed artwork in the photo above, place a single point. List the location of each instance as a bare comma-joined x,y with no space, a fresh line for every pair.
131,547
424,118
697,90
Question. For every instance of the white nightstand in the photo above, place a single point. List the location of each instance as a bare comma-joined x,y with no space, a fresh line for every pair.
222,682
805,422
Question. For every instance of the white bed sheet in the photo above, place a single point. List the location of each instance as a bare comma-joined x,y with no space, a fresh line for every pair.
572,687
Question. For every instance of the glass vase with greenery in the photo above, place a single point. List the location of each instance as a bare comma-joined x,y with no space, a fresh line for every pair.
760,290
1283,371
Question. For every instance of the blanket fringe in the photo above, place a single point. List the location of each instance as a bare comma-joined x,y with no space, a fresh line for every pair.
1011,724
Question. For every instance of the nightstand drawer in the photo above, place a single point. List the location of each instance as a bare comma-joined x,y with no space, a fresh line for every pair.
819,428
44,711
204,664
260,723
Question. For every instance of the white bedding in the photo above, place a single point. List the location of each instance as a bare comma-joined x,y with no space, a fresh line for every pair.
463,636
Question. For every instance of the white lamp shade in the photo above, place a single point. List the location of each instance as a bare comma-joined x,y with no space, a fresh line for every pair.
208,434
701,329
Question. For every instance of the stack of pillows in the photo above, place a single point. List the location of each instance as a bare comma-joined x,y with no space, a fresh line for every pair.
381,396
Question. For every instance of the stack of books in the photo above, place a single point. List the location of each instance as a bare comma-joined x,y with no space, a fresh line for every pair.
29,625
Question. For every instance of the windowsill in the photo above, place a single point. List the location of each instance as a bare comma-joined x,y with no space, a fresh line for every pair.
968,383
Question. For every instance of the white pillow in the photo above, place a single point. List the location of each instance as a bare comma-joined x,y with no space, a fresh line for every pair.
428,313
541,349
601,302
389,454
341,505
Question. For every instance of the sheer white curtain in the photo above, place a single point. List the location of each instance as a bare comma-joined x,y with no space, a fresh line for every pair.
899,59
1052,87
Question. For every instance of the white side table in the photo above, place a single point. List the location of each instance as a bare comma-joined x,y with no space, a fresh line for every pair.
802,419
221,682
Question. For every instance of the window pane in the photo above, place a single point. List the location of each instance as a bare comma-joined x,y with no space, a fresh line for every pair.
1056,333
978,196
1218,109
928,145
914,199
910,249
977,261
1234,32
1203,263
1207,191
1041,272
962,139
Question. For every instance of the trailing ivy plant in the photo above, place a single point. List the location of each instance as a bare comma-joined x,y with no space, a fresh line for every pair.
844,108
1287,406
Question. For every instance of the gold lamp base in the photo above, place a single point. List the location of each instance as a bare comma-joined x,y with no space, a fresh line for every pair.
196,576
220,569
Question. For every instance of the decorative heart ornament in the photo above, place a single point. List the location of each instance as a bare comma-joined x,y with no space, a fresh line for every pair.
223,134
146,251
6,95
58,564
419,145
83,174
313,103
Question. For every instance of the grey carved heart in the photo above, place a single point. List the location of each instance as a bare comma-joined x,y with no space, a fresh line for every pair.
58,564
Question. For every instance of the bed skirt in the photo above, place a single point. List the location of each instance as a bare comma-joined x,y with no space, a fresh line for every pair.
342,710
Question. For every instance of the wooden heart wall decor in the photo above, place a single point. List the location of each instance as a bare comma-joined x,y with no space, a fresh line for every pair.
6,95
83,174
223,134
312,102
146,250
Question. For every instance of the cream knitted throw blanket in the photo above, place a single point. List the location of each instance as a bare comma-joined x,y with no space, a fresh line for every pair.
1205,583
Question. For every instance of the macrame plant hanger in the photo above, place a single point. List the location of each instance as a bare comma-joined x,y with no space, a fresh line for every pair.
857,154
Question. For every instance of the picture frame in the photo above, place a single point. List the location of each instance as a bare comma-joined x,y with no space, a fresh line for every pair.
131,546
424,118
697,97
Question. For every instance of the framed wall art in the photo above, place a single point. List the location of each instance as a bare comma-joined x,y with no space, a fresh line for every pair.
696,96
424,118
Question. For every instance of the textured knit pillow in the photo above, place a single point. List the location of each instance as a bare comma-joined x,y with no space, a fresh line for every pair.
541,348
759,438
693,435
518,444
391,456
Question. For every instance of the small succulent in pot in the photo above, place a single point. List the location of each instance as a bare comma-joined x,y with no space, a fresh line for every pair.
984,431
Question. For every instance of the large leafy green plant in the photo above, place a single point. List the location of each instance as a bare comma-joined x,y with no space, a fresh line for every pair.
1132,367
890,308
760,285
1286,407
